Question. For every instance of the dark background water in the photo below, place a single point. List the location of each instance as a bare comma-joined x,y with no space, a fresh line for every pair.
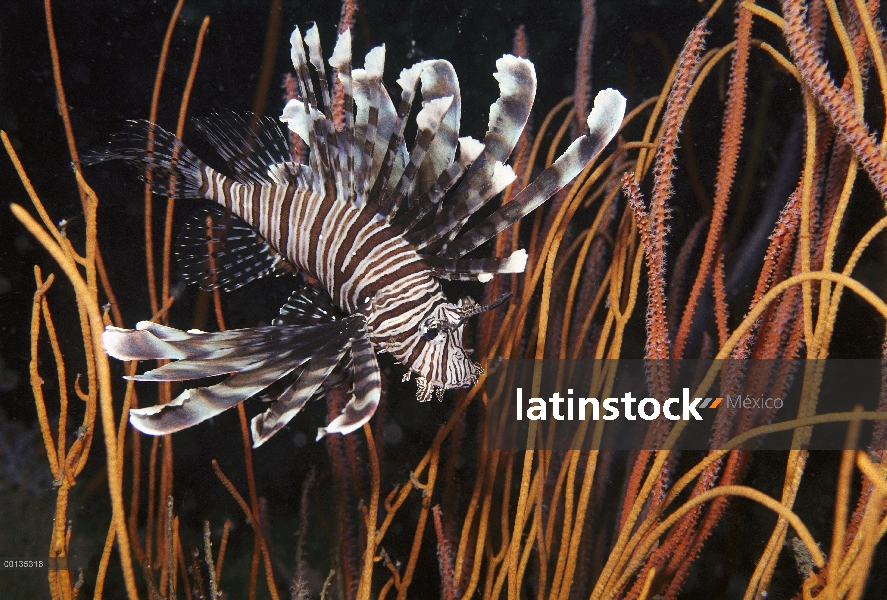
109,52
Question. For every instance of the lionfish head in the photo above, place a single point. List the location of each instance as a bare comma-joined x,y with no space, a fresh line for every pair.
441,360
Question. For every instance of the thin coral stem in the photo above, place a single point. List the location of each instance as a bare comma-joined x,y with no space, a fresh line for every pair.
579,521
253,520
733,490
448,585
736,442
103,376
652,232
29,188
482,527
410,570
152,117
61,100
62,427
584,50
366,578
180,131
36,379
874,34
521,515
269,53
842,499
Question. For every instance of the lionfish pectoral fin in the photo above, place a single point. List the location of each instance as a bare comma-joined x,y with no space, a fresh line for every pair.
312,382
199,404
189,408
257,358
365,394
476,269
146,342
603,123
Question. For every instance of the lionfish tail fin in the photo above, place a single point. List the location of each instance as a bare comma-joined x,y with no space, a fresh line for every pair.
603,123
162,160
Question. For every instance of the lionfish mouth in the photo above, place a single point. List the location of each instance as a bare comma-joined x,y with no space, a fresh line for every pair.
427,390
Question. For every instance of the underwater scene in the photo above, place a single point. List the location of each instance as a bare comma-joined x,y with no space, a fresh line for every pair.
297,299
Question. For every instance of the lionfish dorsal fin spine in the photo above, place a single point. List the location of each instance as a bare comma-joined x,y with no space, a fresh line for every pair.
476,269
604,121
315,55
408,80
427,121
469,150
340,61
454,215
367,98
508,117
303,75
439,81
300,117
509,114
320,120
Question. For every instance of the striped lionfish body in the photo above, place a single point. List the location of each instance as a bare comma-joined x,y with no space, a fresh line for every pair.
374,223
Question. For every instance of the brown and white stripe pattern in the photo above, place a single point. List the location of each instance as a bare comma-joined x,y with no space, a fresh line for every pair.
375,223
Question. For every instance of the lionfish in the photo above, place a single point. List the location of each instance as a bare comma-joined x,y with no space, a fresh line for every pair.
373,224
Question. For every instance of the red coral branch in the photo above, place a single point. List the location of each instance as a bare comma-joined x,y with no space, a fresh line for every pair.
840,106
731,141
582,93
448,588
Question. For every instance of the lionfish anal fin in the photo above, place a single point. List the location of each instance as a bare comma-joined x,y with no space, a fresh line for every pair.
217,249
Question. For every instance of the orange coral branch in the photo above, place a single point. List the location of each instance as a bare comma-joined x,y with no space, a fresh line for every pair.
253,520
272,35
103,375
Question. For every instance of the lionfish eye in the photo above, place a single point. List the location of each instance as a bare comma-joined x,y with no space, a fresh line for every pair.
431,329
